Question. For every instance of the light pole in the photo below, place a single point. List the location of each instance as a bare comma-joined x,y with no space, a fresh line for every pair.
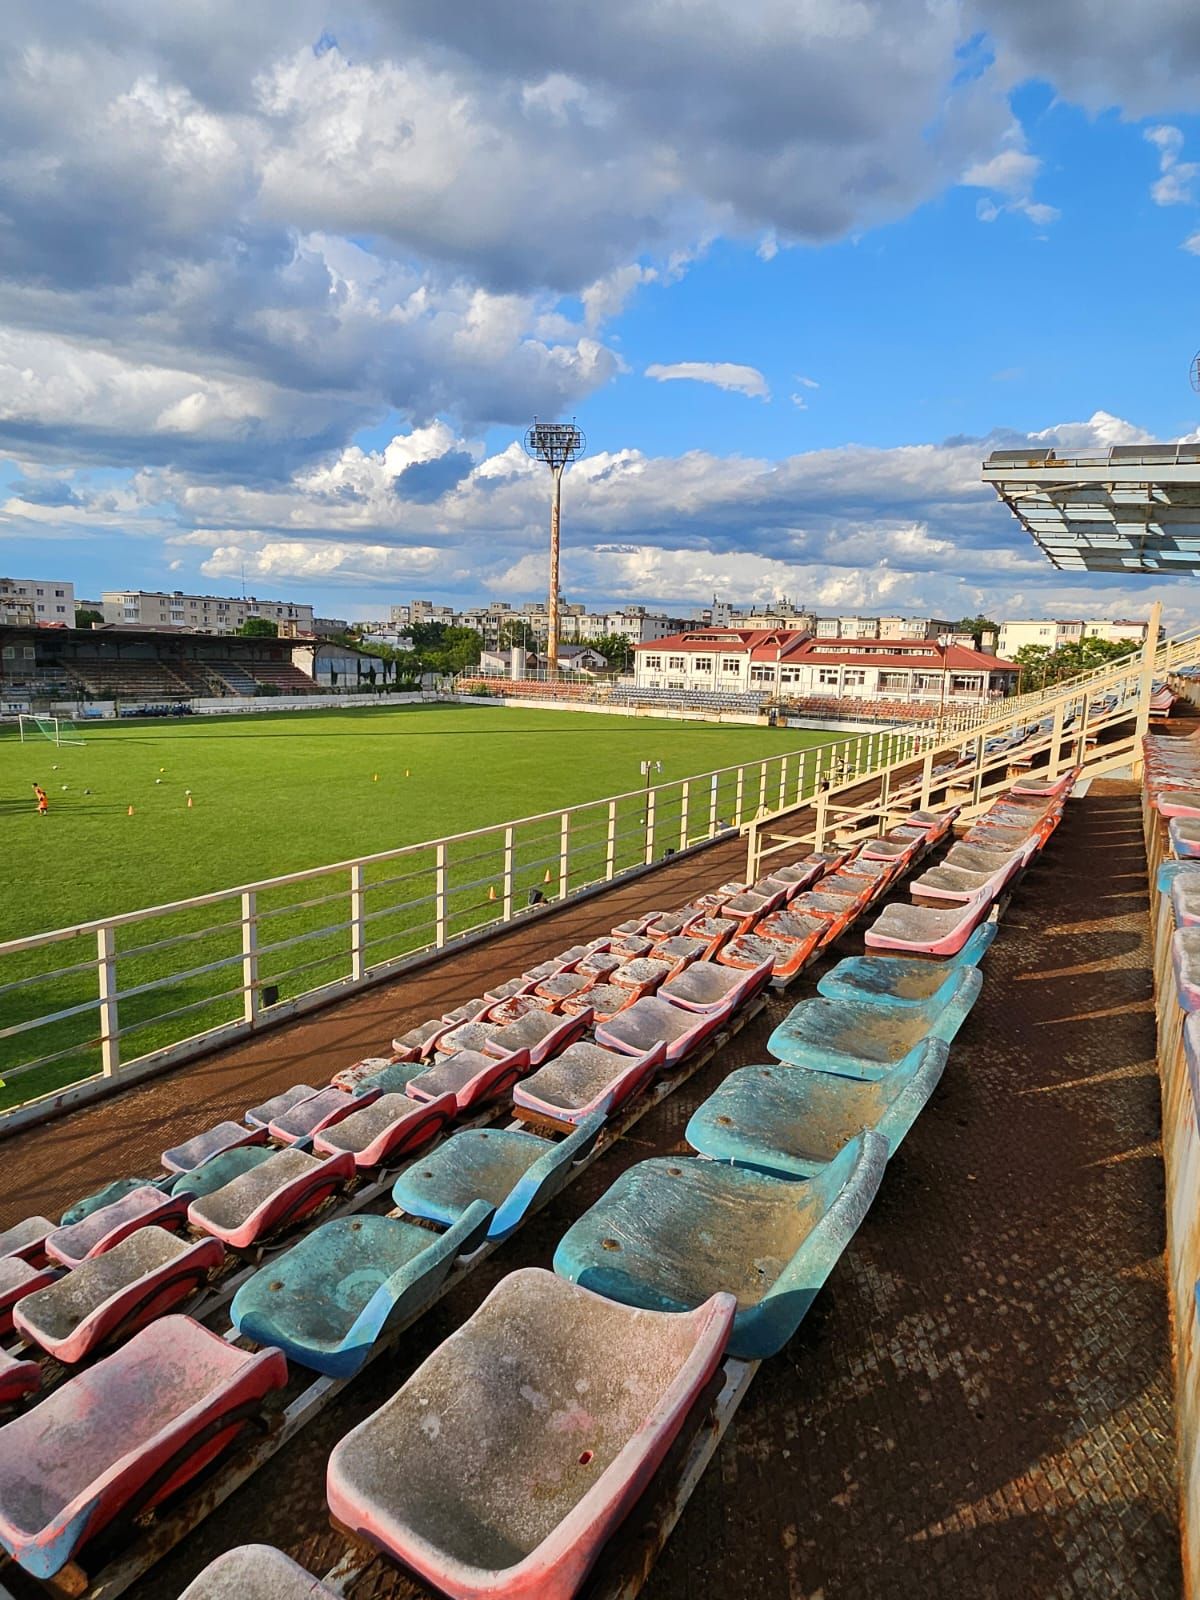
555,444
649,770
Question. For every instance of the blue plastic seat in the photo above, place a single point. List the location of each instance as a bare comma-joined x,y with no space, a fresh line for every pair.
792,1122
903,980
509,1169
220,1170
671,1233
865,1038
327,1300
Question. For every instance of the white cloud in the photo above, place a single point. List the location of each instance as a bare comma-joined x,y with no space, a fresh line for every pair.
800,403
1174,184
1192,244
1011,171
721,374
806,383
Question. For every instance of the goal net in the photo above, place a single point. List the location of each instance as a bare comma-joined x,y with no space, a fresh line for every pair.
58,730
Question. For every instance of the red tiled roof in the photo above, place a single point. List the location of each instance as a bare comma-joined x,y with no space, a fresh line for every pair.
787,644
733,641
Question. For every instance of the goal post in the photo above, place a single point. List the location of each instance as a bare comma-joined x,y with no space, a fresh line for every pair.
58,730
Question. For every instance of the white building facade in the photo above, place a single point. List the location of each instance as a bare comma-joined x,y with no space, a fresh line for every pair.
1053,633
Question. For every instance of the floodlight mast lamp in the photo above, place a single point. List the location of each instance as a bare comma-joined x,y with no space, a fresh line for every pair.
555,444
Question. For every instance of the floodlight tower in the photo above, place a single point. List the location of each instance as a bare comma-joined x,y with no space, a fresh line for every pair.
555,443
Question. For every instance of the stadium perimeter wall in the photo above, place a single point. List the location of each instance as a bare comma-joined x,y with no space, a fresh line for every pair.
753,719
106,710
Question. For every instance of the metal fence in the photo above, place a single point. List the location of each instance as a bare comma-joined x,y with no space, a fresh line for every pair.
123,995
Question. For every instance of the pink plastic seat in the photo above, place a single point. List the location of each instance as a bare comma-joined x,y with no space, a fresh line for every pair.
603,1000
651,1021
106,1227
922,930
27,1239
273,1195
319,1111
644,973
113,1295
415,1044
121,1435
212,1142
708,986
261,1116
18,1378
469,1077
255,1572
512,1010
513,1452
349,1078
388,1129
18,1279
585,1079
542,1033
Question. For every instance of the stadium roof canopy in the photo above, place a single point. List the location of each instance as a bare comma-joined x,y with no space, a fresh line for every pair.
1133,508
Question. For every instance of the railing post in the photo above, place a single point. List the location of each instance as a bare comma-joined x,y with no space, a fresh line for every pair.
106,974
714,789
801,774
738,795
358,965
1056,739
439,896
783,772
564,847
610,844
762,790
1146,686
508,874
822,808
926,780
752,853
250,990
684,798
651,798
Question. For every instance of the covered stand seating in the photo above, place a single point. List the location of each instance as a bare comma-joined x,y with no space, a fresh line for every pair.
328,1300
508,1168
112,1441
867,1039
792,1122
671,1233
522,1507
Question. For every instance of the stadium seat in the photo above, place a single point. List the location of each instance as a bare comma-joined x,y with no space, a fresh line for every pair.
102,1229
321,1110
586,1079
713,931
27,1239
643,973
18,1279
328,1300
511,1170
388,1129
671,1233
272,1195
212,1142
111,1192
921,930
113,1295
222,1169
564,985
543,1034
18,1378
416,1044
709,986
117,1437
505,1011
422,1480
866,1039
469,1078
278,1105
352,1078
897,980
651,1021
255,1572
792,1122
1184,833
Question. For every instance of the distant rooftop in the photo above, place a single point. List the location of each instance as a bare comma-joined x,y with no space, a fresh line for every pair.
1132,508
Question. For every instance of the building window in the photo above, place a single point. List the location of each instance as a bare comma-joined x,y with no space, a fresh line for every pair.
703,663
762,674
893,682
854,677
653,663
675,663
58,594
731,664
827,677
60,609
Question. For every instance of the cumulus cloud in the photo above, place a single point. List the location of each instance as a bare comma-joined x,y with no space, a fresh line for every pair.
1010,172
721,374
1174,184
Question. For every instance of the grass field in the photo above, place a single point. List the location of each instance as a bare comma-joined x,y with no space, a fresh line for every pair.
278,794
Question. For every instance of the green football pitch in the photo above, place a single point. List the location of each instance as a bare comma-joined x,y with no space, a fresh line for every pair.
283,793
276,794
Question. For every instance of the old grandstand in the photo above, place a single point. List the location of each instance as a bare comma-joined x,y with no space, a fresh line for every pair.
826,1145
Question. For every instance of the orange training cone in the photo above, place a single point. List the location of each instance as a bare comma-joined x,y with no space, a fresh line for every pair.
189,804
130,812
492,892
546,879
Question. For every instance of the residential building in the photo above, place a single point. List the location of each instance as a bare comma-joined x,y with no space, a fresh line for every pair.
199,613
26,600
916,628
1053,634
796,665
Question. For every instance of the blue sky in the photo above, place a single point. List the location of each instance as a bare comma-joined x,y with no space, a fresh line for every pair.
282,292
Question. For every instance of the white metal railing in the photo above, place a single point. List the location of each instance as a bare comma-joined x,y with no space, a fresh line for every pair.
121,995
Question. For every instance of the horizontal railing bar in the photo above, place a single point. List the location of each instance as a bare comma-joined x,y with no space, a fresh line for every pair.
46,977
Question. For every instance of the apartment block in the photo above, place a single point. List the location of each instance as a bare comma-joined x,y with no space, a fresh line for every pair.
25,602
200,613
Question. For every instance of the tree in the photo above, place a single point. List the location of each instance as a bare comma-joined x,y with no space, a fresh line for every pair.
258,628
1040,665
85,616
614,647
976,625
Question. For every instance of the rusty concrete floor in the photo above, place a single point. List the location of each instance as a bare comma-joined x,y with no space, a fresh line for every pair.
979,1404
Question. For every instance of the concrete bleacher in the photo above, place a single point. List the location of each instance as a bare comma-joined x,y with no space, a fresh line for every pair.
132,680
283,676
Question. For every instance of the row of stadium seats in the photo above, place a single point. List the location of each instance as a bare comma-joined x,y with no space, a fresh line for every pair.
586,1375
573,1042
